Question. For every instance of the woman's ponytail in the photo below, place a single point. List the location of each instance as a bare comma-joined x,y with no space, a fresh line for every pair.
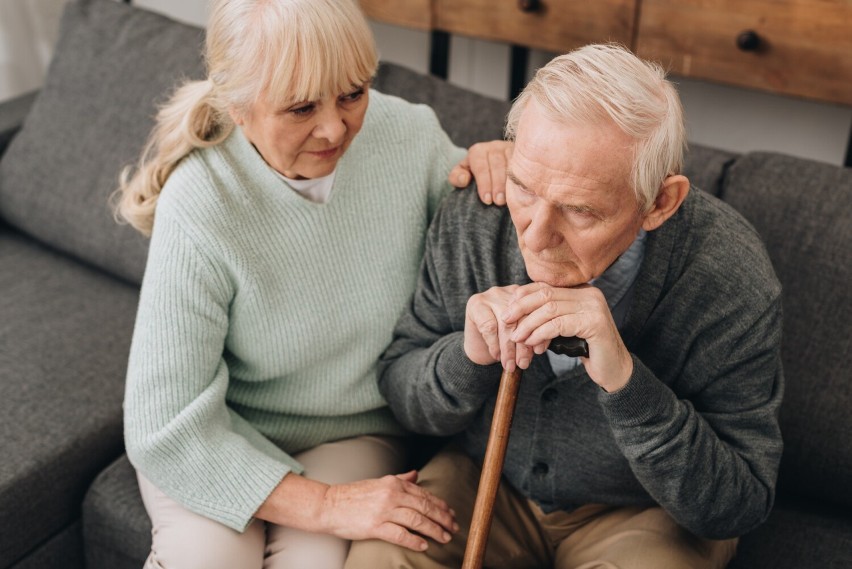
188,121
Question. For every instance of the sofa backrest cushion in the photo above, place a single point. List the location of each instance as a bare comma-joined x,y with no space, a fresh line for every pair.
802,209
705,167
113,64
467,117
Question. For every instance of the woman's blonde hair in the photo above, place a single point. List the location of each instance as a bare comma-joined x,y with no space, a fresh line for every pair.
283,50
607,82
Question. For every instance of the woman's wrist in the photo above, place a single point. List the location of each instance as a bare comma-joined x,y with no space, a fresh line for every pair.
296,502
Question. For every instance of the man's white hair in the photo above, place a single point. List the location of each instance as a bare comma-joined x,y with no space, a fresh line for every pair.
606,82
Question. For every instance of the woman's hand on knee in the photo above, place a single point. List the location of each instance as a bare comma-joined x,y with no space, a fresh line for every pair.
393,508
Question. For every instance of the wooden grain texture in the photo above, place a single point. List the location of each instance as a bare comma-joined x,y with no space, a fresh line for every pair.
492,469
558,26
415,14
806,48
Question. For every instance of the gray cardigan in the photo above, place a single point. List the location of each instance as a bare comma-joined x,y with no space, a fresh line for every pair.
695,430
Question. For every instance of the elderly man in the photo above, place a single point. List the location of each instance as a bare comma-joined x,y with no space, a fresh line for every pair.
662,446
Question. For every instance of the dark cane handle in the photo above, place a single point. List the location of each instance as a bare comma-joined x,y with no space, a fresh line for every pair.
570,346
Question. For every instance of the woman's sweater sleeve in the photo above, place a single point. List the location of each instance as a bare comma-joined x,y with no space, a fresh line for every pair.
179,432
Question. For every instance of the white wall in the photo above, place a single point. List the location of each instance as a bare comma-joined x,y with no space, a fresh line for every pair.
28,30
725,117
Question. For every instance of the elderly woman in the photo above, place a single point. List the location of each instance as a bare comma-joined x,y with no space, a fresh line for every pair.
290,220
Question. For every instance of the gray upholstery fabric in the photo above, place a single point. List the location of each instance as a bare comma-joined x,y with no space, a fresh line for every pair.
113,64
63,550
115,525
802,209
798,535
466,116
705,167
64,337
12,114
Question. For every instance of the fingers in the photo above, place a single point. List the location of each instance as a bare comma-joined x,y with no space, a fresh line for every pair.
540,313
417,512
480,169
460,174
497,163
487,163
489,337
410,476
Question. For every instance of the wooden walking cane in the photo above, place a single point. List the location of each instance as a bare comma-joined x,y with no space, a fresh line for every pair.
495,452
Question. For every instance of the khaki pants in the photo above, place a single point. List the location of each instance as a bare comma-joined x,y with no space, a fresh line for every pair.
184,540
522,536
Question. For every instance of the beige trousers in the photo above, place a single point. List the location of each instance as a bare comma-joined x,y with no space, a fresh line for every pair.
524,537
184,540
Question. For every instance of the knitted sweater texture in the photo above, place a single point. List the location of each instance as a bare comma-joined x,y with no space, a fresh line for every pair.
262,314
696,428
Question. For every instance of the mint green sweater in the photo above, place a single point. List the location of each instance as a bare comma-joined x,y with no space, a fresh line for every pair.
262,314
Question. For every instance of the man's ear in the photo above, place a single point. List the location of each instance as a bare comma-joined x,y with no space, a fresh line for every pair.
670,197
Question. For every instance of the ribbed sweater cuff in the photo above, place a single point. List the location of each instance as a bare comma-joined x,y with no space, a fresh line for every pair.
462,376
641,401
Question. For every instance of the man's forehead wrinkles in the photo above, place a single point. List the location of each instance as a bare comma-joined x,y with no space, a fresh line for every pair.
555,178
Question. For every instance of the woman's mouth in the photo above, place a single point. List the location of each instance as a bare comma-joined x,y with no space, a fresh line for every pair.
325,154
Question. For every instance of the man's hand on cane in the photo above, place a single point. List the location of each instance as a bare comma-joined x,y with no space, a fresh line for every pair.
487,335
538,312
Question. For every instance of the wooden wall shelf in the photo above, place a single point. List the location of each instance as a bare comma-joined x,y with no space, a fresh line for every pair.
801,48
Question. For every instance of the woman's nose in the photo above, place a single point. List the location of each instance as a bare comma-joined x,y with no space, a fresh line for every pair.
330,126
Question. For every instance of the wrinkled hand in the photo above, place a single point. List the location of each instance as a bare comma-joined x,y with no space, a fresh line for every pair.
487,335
392,508
485,162
539,312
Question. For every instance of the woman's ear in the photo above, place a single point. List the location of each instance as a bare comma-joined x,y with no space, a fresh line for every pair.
236,116
669,199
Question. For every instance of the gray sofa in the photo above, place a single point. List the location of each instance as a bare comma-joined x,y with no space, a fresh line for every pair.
69,280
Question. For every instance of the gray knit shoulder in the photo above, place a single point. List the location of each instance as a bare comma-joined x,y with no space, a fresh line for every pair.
728,250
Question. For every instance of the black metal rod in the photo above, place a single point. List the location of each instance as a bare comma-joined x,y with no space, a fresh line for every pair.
519,62
439,54
848,161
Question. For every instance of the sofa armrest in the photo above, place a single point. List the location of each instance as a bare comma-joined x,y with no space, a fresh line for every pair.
12,114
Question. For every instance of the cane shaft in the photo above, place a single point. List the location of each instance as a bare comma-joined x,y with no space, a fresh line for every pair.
492,468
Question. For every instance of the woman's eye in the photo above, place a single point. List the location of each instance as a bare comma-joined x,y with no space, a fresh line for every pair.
301,111
353,96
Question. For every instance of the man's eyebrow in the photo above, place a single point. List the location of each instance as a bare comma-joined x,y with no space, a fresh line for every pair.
514,179
585,210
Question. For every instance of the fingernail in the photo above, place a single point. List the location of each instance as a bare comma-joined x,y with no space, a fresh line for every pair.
447,537
501,197
423,546
456,527
524,363
487,198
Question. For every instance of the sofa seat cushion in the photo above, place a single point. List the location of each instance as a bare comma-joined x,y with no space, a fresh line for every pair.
116,527
113,64
64,337
802,210
799,534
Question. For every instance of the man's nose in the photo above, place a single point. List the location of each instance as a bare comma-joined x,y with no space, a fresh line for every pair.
330,125
543,230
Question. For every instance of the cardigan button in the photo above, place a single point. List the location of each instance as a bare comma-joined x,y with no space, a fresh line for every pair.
540,468
550,395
